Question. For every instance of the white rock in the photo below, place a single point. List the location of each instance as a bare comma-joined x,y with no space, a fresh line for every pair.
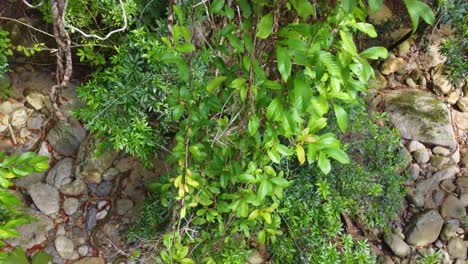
61,173
441,151
19,118
392,65
415,145
36,100
45,197
6,108
70,205
64,247
75,187
83,250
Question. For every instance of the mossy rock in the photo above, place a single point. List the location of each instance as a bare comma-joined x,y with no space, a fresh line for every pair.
420,116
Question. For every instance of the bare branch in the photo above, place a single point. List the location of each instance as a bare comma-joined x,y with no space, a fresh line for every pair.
32,6
27,25
108,34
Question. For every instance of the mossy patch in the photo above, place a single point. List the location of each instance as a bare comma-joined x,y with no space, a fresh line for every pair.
432,109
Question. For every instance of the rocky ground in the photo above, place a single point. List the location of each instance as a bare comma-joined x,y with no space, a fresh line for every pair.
84,202
431,114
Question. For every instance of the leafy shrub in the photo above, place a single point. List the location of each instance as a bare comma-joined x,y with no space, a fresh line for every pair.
128,102
311,215
373,181
454,12
370,187
5,51
244,108
11,167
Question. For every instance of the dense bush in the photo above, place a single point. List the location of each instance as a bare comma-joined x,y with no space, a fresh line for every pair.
248,109
127,102
375,175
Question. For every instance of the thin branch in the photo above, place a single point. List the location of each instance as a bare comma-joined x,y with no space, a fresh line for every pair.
27,25
32,6
124,14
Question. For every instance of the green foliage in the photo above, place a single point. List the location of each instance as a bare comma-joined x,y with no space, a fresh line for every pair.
243,129
30,51
11,167
416,10
121,109
5,51
372,181
434,258
454,12
312,217
18,256
249,114
370,187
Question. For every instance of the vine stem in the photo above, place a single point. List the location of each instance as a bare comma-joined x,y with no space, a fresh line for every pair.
123,28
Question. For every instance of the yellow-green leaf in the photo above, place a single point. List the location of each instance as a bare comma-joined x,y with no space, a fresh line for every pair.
300,153
265,26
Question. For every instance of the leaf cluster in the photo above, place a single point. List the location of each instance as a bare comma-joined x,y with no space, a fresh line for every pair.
11,167
5,51
239,129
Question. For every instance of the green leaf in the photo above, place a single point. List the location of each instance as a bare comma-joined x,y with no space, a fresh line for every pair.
329,61
337,154
366,28
17,256
238,83
349,5
341,117
375,53
274,156
254,124
284,63
247,178
304,8
185,47
243,209
41,258
261,237
265,188
177,112
324,163
300,154
311,153
348,43
265,26
216,6
215,83
282,182
274,109
418,9
375,4
283,150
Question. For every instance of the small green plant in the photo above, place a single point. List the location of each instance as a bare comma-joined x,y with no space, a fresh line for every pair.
11,167
18,256
127,103
311,214
30,51
5,51
455,48
434,258
373,181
